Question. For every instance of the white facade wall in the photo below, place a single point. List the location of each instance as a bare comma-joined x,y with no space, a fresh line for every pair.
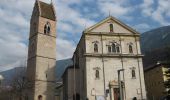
109,63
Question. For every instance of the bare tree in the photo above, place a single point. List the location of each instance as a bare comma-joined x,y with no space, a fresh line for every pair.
19,83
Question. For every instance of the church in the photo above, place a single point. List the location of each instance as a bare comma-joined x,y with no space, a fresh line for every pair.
107,64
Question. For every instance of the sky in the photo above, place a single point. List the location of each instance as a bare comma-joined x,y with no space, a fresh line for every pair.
73,16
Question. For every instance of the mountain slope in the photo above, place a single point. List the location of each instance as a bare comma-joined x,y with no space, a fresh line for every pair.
155,39
155,45
61,65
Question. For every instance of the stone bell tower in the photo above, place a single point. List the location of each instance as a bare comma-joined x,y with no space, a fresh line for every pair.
42,52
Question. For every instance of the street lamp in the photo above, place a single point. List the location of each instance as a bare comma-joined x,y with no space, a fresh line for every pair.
119,82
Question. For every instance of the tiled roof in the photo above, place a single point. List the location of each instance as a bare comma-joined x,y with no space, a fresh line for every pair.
47,11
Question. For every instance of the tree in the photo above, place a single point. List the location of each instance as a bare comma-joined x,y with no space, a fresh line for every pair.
19,83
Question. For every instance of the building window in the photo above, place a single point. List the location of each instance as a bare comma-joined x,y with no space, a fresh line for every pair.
133,73
114,48
109,49
47,28
40,97
97,74
117,49
95,47
130,49
111,27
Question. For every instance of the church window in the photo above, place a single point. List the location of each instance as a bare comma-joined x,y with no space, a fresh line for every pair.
130,49
109,49
97,74
111,27
117,49
95,47
133,73
113,47
40,97
47,28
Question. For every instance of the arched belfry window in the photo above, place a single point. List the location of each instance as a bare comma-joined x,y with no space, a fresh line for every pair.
95,47
47,28
111,27
130,49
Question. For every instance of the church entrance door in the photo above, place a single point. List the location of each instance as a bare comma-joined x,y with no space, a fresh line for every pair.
116,94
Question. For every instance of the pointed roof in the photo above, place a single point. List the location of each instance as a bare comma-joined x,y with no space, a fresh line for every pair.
47,10
115,20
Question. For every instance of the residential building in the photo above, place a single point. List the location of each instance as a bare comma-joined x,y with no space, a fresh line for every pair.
155,79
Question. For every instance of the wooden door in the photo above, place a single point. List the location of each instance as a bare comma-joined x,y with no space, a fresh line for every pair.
116,94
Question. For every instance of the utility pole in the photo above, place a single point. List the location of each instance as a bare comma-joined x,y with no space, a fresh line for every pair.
119,83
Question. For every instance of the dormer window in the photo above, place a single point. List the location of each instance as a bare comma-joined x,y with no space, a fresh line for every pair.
111,27
47,28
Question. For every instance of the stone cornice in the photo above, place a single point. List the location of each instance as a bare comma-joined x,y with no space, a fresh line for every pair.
112,34
113,55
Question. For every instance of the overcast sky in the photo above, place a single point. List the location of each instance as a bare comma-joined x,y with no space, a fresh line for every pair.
73,17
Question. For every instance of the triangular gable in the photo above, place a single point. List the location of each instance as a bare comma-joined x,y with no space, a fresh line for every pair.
118,26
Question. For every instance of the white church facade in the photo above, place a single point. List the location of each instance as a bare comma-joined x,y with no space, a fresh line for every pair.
105,50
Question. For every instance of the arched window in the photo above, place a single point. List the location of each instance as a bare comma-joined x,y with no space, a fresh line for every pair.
113,47
130,49
97,74
40,97
111,27
109,49
117,49
47,28
95,47
133,73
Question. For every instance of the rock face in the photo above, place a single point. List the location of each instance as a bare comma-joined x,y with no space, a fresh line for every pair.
155,45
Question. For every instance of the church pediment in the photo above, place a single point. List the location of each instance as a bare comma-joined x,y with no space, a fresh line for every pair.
110,24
